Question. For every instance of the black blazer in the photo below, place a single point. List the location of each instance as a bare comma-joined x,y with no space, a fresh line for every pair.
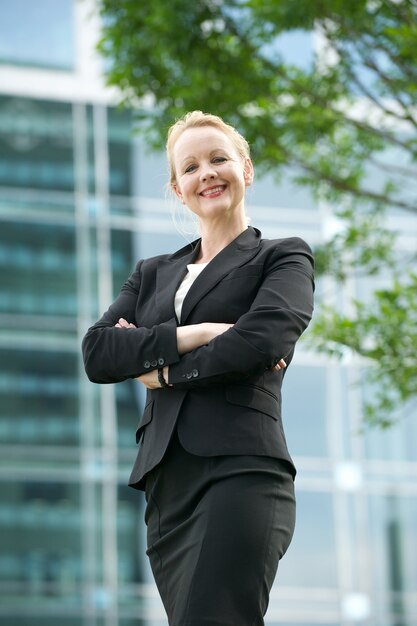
225,397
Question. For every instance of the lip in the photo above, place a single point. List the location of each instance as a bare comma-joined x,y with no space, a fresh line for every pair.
213,192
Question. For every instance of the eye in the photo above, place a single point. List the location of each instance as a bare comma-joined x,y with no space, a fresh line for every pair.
219,159
189,169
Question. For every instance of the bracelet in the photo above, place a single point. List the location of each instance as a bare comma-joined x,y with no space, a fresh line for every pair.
161,378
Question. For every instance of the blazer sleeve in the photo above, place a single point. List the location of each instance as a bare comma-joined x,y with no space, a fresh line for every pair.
112,354
279,314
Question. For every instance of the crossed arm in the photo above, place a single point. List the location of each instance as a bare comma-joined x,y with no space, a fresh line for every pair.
207,353
188,338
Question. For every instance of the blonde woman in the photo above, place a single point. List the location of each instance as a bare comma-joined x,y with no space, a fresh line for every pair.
209,331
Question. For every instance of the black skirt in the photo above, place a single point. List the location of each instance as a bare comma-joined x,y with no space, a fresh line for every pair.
217,527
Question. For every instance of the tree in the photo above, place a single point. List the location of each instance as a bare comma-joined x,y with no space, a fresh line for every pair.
346,125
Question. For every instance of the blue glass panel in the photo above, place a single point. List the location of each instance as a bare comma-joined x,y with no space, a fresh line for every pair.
37,33
37,270
151,175
397,443
392,555
131,544
40,540
36,144
152,244
39,398
120,151
305,412
311,558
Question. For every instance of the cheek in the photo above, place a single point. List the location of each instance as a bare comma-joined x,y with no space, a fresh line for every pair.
237,174
185,186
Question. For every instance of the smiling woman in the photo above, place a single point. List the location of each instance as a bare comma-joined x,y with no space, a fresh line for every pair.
209,331
211,179
210,170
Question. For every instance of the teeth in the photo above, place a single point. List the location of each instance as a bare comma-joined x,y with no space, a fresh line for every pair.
212,191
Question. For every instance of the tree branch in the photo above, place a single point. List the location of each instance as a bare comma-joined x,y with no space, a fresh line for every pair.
376,44
342,185
390,167
367,92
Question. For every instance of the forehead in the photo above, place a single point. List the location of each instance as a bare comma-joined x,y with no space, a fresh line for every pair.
197,141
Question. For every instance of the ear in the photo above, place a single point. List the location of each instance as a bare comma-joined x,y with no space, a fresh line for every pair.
177,192
248,172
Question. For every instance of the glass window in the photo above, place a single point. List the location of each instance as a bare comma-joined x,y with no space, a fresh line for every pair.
38,398
392,553
268,191
41,619
151,244
131,545
120,151
311,557
29,31
36,144
91,266
151,171
304,413
397,442
38,270
90,151
122,257
40,542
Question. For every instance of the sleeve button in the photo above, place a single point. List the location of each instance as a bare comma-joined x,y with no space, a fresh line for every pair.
146,365
195,373
189,375
161,361
154,363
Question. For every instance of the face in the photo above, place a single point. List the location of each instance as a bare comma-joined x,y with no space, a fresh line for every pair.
211,176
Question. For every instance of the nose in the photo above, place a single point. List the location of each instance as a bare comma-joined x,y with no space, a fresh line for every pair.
207,172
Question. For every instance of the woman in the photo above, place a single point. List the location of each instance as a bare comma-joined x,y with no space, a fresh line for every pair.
206,330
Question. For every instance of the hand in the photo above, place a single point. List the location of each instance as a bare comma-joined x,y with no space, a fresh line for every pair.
279,366
150,379
123,324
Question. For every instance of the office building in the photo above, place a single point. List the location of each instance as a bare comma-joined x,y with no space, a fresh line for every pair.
82,198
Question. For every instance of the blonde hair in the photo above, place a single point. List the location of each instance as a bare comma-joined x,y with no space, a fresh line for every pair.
197,119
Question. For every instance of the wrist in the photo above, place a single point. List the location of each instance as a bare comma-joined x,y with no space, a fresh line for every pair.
162,376
206,334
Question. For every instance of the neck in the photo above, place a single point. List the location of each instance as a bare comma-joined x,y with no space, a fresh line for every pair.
216,236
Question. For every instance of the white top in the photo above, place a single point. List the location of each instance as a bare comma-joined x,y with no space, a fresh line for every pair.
194,269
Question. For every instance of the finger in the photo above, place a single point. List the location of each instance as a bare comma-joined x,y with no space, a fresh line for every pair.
280,365
122,323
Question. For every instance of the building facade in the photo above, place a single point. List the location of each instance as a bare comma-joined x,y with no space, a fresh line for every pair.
81,200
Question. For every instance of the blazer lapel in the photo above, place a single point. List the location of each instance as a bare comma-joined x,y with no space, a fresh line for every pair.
237,253
170,273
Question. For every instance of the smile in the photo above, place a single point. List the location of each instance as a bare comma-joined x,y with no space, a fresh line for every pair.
213,192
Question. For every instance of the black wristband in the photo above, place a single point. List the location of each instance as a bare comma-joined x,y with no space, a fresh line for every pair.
161,378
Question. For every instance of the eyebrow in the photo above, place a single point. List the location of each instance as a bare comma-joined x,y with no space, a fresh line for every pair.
190,158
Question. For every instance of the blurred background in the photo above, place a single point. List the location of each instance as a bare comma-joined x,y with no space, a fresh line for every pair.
82,198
